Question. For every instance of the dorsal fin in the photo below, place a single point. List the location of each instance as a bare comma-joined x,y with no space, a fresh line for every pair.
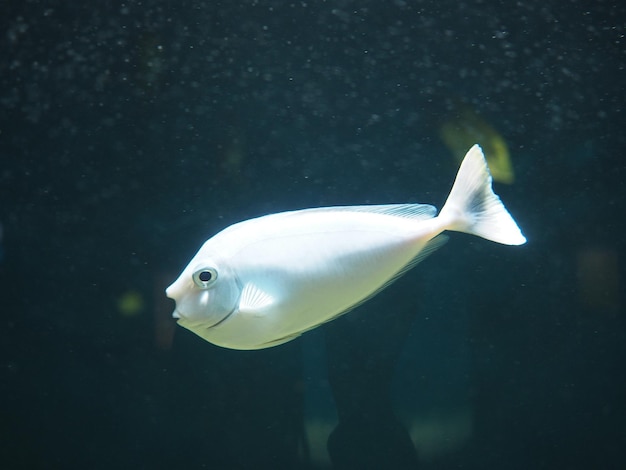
409,211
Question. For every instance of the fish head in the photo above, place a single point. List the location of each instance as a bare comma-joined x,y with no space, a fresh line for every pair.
205,294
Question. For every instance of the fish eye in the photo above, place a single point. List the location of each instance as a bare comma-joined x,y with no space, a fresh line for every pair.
204,277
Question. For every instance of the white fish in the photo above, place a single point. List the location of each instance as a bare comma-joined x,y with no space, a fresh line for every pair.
265,281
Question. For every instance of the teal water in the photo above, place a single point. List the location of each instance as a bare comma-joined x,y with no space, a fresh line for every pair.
133,131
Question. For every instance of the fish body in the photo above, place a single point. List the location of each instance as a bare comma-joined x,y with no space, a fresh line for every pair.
265,281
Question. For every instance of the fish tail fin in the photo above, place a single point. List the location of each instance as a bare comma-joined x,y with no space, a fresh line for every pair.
472,206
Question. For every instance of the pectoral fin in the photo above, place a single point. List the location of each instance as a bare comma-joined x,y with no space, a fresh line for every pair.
254,299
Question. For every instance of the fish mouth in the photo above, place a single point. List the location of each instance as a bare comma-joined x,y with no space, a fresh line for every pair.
182,320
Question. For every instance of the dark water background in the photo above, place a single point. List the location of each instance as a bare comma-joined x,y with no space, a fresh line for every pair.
132,131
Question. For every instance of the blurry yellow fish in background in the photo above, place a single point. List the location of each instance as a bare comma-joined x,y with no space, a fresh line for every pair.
150,61
130,303
598,279
465,128
232,153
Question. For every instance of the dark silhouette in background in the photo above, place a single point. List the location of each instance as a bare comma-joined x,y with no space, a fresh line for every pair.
362,352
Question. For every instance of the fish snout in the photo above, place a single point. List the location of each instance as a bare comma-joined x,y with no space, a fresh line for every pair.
169,292
177,289
175,292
